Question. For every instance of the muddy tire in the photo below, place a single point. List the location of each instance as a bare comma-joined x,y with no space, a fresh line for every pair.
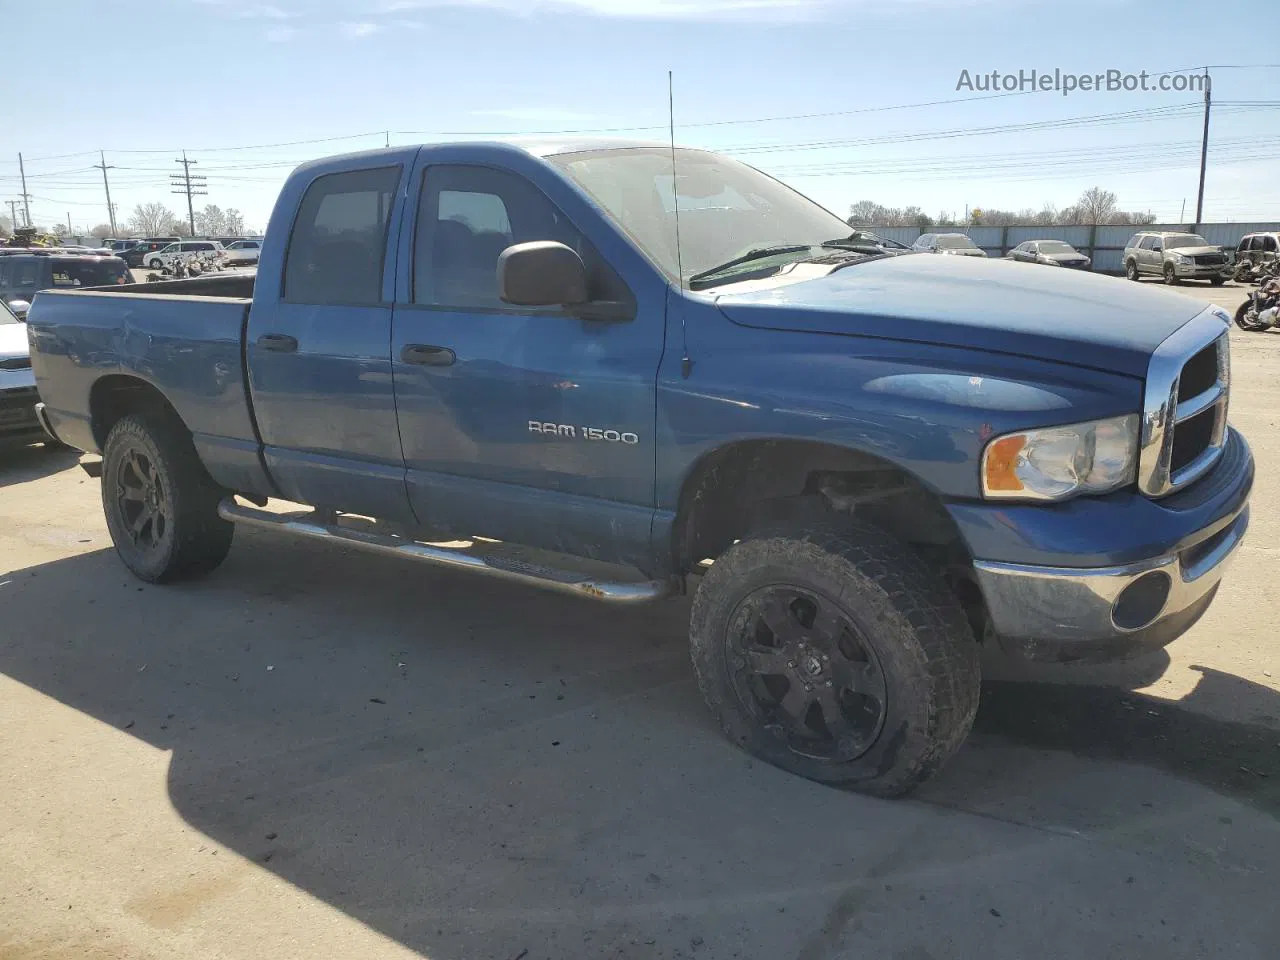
1131,270
836,654
160,503
1170,278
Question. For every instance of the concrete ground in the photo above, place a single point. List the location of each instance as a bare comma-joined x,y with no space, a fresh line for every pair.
317,753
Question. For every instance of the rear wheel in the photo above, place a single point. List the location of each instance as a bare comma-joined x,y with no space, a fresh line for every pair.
1131,270
160,503
837,655
1217,281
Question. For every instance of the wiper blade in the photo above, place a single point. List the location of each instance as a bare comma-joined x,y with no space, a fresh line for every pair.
757,253
868,248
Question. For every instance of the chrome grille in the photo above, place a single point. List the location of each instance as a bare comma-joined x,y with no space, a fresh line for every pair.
1184,417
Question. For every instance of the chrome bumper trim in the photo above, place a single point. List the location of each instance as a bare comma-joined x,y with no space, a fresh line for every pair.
1070,604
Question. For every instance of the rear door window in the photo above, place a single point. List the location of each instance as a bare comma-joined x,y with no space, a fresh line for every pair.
339,241
89,273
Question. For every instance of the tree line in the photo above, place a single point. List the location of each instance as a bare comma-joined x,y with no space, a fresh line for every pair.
157,220
1094,206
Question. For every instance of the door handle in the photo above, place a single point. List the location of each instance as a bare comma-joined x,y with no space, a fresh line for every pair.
278,342
426,355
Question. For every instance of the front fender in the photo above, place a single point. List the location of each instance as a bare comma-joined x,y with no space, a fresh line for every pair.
927,409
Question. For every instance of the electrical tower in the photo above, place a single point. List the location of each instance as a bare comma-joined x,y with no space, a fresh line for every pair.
192,186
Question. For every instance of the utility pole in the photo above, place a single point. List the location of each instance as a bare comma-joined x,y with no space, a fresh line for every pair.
68,223
189,185
13,211
1182,214
26,197
388,143
1204,150
111,210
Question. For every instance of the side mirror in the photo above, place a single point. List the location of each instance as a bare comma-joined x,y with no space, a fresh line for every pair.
19,308
541,273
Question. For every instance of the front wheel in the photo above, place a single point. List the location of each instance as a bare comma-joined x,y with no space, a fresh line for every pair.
160,503
1217,281
836,654
1169,277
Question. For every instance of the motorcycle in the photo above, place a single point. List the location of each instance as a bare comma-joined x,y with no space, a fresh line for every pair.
1261,311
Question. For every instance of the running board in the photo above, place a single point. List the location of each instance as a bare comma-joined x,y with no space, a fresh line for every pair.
485,559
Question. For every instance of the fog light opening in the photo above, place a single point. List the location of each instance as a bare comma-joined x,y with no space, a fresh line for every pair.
1141,601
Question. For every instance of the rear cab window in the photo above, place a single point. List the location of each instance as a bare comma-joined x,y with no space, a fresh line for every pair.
96,272
339,241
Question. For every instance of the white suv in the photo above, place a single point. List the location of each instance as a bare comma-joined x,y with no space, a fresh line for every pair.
182,250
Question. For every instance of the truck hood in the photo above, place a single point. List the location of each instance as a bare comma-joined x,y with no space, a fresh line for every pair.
991,305
13,340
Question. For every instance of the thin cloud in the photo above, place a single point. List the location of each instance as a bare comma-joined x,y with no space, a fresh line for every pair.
281,34
634,9
358,30
242,10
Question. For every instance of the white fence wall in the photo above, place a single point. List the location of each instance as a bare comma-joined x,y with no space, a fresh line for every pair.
1104,243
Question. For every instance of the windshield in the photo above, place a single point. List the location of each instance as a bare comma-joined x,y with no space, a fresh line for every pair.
1184,240
955,243
89,273
726,207
1056,246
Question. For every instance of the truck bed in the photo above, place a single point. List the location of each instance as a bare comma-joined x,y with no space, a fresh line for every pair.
184,338
236,286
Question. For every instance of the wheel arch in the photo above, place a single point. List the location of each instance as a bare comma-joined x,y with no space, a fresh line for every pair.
743,484
118,395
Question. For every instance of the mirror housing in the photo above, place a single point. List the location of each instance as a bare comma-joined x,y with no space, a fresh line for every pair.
19,308
541,273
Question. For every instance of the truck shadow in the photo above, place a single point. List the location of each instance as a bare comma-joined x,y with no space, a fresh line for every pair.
20,464
432,753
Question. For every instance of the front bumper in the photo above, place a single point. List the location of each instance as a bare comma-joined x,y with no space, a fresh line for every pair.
18,421
1202,272
1104,613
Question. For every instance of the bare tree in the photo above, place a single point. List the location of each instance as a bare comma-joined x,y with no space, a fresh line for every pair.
1096,205
101,231
235,222
868,213
211,221
151,219
180,228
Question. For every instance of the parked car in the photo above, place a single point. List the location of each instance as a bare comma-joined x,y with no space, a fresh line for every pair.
22,276
135,255
956,244
888,246
1258,248
18,396
1054,253
1175,257
887,459
243,253
182,250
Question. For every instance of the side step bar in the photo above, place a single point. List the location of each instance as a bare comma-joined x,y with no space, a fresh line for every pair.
459,558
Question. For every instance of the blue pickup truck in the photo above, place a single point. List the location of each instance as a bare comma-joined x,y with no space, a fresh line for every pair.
617,369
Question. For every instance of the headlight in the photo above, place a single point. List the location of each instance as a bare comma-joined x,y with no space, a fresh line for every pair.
1054,463
1180,258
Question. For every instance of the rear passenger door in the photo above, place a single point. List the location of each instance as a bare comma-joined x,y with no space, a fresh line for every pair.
318,345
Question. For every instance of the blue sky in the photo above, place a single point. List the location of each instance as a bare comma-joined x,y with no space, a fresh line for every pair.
256,73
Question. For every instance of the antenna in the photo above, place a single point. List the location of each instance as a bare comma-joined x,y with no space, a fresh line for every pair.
686,364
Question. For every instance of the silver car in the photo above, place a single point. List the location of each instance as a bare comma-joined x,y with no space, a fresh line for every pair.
1175,257
956,244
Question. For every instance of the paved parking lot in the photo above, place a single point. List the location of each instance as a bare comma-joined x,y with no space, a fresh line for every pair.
318,753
